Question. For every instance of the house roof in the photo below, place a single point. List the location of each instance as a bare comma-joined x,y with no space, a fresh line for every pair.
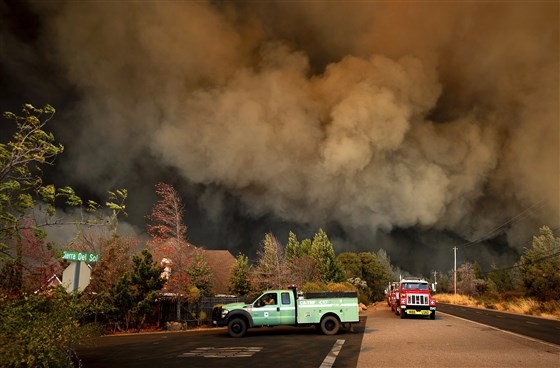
221,263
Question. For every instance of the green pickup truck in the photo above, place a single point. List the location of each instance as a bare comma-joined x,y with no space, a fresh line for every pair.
327,311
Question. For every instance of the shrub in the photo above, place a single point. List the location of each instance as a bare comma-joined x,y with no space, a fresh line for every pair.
36,330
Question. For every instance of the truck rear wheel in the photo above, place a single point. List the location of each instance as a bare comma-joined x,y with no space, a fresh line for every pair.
237,327
330,325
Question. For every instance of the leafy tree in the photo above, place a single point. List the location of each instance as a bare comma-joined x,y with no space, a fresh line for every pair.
34,264
36,329
477,269
239,280
375,273
121,301
21,159
137,289
500,281
351,264
299,262
445,282
200,274
539,266
322,252
34,325
114,261
28,205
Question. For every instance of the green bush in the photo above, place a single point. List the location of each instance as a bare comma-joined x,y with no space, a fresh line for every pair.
35,329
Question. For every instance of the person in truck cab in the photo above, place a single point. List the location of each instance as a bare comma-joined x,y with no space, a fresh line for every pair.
267,299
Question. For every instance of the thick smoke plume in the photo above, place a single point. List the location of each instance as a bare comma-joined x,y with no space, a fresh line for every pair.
413,127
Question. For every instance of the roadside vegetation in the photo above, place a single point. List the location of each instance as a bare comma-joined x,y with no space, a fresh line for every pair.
531,286
521,305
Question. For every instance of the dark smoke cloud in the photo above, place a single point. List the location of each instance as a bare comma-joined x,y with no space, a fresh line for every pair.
405,126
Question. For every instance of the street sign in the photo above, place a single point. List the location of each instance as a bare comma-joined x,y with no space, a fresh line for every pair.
76,276
80,256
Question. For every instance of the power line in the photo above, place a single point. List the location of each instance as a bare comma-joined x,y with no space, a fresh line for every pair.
517,265
496,229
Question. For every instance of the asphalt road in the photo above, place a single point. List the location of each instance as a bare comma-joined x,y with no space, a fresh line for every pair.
278,347
535,327
384,340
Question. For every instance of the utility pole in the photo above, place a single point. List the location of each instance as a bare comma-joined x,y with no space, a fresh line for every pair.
455,270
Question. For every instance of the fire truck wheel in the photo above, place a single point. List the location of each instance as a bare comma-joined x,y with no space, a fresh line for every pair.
403,315
237,327
433,315
330,325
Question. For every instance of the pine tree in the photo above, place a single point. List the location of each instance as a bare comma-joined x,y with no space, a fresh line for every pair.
327,265
239,280
137,289
540,265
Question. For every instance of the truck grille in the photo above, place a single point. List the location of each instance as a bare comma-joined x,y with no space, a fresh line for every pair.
416,299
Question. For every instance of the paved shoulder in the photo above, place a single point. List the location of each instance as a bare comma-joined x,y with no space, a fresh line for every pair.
447,341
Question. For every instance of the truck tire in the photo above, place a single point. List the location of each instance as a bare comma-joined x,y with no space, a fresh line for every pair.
237,327
330,325
433,315
403,315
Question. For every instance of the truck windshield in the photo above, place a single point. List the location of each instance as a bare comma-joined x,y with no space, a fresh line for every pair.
415,285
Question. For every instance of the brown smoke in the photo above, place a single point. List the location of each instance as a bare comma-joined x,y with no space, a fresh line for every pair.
373,116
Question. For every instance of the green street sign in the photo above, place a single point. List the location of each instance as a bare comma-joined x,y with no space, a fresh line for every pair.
80,256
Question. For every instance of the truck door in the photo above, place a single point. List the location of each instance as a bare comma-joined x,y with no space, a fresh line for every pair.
266,310
287,308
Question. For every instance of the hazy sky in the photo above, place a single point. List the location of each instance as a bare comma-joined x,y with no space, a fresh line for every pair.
413,127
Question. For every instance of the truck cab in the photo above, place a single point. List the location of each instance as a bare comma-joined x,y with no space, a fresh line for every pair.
273,308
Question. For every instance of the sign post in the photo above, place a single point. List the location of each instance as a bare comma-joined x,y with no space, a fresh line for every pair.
75,278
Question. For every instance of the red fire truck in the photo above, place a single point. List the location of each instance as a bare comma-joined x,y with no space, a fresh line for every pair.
413,298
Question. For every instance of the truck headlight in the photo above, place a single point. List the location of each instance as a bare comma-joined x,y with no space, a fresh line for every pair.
224,313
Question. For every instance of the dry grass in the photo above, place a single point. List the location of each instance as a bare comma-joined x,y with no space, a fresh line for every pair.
527,306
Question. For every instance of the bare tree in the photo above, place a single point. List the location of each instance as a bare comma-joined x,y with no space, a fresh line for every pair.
270,271
168,242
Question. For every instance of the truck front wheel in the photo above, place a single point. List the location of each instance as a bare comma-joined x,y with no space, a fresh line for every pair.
237,327
330,325
433,315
